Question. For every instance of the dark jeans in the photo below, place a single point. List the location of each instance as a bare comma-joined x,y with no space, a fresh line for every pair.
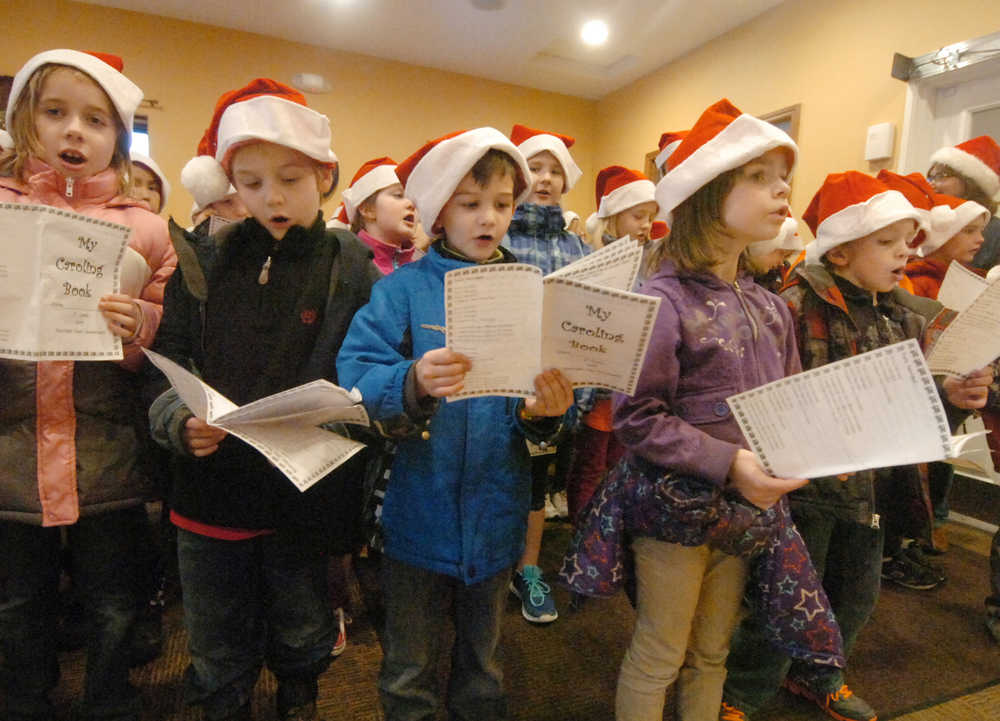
105,575
419,603
848,557
250,602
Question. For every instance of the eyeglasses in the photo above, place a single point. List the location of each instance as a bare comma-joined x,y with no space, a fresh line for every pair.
940,175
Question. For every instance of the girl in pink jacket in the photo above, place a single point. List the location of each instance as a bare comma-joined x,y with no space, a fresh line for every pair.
69,444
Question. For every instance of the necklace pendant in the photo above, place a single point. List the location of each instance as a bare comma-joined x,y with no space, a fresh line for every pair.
265,274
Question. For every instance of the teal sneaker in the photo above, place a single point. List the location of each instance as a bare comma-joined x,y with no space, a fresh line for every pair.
537,605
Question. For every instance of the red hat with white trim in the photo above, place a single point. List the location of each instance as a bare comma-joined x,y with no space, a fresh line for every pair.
262,111
339,219
150,165
668,144
918,191
431,174
531,142
977,159
723,138
619,188
852,205
373,176
947,218
788,238
105,69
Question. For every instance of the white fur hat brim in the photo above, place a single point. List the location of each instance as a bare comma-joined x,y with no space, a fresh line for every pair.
124,94
434,178
946,222
376,179
150,164
275,120
861,219
625,197
970,166
664,155
542,142
742,140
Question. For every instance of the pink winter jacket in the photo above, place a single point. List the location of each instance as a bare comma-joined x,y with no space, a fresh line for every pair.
68,430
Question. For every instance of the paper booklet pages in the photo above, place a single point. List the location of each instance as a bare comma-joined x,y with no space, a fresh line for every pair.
972,339
512,323
960,287
874,410
54,267
284,427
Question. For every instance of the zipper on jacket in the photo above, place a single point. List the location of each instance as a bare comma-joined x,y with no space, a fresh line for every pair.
69,187
746,309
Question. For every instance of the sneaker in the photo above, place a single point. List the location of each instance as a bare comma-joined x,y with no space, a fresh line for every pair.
537,605
902,571
915,553
841,704
731,713
341,644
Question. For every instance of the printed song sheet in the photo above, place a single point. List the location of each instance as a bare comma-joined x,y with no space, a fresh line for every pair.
512,323
960,287
284,427
874,410
972,339
54,267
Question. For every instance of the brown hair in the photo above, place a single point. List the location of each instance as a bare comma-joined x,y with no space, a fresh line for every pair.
21,126
973,191
697,223
358,224
497,162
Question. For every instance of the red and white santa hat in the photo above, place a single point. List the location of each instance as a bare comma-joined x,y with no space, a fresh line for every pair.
977,159
723,138
619,188
531,142
948,216
852,205
658,230
669,142
339,219
104,68
788,238
263,110
431,174
918,191
149,164
373,176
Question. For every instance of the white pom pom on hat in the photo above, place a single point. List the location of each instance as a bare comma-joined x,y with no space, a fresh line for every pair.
205,179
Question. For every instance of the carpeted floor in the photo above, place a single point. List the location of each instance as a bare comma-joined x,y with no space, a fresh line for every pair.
921,649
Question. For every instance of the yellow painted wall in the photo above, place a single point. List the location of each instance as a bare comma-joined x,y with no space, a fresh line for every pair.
377,107
832,56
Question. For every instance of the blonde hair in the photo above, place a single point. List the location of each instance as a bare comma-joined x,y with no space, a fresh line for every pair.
358,224
695,227
21,126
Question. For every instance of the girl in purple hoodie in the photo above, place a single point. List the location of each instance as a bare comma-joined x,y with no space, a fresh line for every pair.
717,334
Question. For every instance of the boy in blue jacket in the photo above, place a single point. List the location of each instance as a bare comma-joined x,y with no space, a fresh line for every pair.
456,506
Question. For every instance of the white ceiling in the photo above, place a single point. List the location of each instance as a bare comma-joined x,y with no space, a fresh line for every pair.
534,43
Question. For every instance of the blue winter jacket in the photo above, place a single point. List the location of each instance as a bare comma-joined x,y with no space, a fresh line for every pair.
457,502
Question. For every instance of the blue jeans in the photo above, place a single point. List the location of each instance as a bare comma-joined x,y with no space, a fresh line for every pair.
848,557
105,574
418,605
249,602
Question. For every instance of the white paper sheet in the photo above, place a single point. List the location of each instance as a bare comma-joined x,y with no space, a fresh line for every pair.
54,267
960,287
972,339
283,426
874,410
512,323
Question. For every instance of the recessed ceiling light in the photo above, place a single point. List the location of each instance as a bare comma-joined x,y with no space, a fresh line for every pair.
594,32
311,83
